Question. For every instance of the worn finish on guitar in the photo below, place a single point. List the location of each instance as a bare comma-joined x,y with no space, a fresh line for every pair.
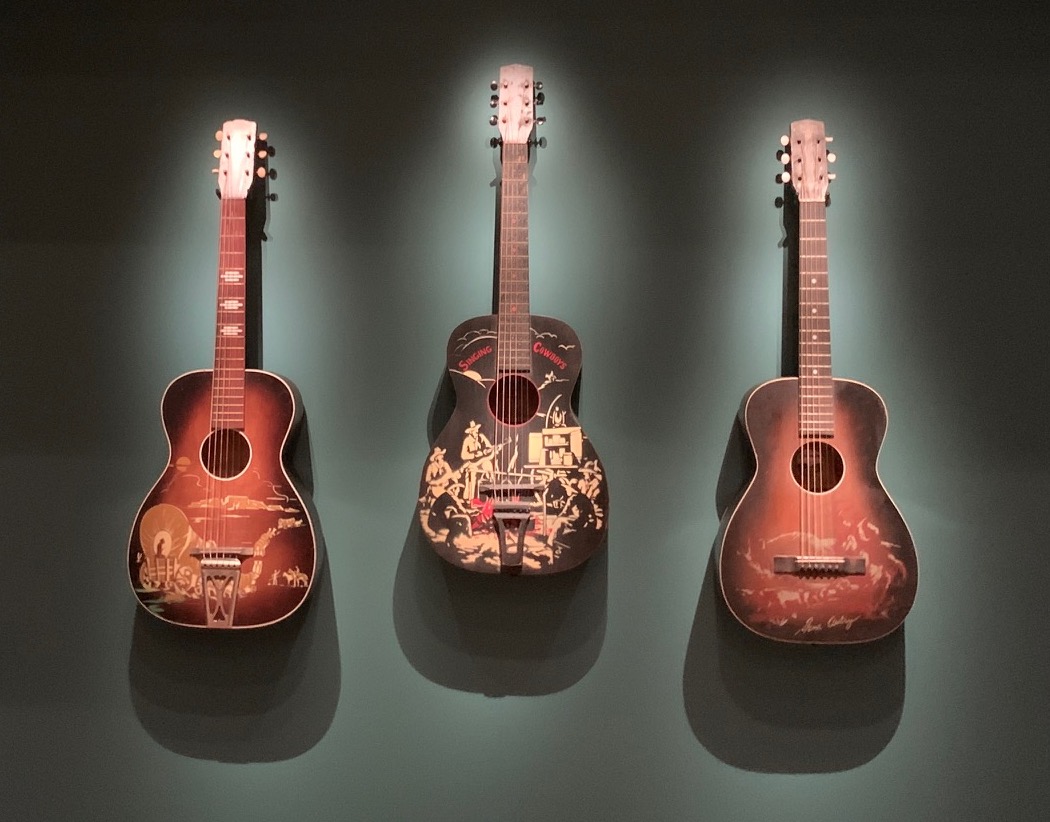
815,550
854,519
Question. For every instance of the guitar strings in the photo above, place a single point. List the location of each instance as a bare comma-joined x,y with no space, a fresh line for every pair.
816,388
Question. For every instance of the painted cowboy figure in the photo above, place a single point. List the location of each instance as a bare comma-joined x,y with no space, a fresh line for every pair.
476,454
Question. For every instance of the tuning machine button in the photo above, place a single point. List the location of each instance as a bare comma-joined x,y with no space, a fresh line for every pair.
540,98
831,157
784,139
493,120
493,101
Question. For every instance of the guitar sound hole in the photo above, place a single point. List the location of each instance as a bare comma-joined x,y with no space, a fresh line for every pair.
225,453
817,466
513,399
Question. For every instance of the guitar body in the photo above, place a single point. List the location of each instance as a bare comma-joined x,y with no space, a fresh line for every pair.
774,539
231,547
568,509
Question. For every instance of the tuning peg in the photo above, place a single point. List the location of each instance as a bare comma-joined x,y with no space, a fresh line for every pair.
541,121
263,136
215,171
540,143
783,156
783,177
493,120
540,98
218,194
262,154
494,101
828,139
272,198
218,135
494,142
831,157
260,172
538,85
272,173
784,139
832,176
778,202
494,85
216,154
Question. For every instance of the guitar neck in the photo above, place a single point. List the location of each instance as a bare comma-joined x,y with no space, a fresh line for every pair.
816,389
227,407
514,336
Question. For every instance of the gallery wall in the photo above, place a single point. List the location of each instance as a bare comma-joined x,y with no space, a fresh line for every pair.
623,690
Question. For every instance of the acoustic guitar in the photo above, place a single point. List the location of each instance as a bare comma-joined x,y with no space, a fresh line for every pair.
815,551
224,539
512,484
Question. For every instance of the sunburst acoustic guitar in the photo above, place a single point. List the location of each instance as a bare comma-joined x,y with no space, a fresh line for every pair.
815,551
224,539
512,484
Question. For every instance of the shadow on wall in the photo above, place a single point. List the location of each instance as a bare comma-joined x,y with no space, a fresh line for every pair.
777,707
260,695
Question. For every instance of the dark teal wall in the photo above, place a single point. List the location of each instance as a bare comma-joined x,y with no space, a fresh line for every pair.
619,692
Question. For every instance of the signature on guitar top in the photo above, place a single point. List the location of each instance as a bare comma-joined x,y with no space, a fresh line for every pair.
512,484
224,539
815,551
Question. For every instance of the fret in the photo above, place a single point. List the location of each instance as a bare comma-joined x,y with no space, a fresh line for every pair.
228,372
816,400
514,335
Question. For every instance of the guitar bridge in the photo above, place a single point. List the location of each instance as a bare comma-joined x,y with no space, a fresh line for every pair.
220,578
819,565
512,508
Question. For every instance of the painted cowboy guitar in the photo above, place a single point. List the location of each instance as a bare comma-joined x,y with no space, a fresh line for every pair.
224,539
815,550
512,484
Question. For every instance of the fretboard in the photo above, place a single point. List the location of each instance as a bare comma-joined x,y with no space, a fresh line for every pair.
815,396
514,335
227,403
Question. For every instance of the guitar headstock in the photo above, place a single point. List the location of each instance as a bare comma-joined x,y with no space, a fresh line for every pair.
239,159
515,101
806,156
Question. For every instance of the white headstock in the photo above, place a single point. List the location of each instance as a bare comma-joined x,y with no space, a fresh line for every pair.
515,103
807,157
236,155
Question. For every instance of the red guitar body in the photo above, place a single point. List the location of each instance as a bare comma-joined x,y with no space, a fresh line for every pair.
251,526
815,550
824,566
224,539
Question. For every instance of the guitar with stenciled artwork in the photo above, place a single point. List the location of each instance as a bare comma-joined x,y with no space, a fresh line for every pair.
815,551
224,538
512,484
